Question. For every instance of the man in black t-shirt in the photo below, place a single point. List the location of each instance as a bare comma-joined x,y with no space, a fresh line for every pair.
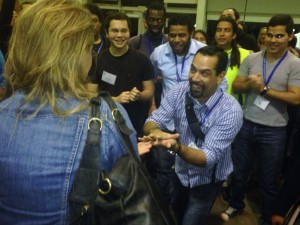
124,72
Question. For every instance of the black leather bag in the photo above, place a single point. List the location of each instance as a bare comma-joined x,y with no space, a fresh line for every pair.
126,195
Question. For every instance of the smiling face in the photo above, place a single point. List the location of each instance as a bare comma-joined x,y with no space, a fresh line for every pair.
277,40
155,21
203,79
179,39
118,34
224,35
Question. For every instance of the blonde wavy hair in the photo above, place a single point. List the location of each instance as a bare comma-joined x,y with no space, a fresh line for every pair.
47,53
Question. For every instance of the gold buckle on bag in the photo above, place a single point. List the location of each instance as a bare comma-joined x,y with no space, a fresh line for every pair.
103,192
93,120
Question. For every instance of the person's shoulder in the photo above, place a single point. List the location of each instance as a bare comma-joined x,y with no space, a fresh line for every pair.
163,48
245,51
293,61
138,54
103,53
255,55
135,39
195,45
230,104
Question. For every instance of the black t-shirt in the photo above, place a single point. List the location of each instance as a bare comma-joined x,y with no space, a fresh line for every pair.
129,70
118,74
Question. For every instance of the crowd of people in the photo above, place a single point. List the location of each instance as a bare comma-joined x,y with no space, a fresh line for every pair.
202,111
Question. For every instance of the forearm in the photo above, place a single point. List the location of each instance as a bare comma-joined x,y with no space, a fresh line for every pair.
240,87
284,96
150,126
146,95
191,155
148,91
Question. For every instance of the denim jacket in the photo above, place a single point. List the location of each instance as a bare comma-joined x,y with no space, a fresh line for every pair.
39,157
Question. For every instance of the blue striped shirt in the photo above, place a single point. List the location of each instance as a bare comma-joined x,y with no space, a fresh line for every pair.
220,128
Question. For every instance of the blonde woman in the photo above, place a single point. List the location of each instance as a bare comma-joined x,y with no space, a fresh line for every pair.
45,112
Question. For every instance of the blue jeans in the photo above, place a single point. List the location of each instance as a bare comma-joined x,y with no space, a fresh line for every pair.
267,144
193,205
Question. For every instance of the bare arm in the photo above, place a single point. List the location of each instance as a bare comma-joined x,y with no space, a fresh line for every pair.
241,85
291,96
255,82
148,90
145,95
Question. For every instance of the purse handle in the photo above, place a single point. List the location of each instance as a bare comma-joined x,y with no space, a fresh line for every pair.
85,185
121,123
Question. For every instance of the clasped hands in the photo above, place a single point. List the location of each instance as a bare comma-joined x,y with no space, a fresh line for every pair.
256,82
129,96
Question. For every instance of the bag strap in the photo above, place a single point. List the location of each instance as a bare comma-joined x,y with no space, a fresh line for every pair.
195,128
121,123
88,171
192,118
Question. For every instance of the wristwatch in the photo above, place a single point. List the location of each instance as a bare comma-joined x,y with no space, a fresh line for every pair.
265,90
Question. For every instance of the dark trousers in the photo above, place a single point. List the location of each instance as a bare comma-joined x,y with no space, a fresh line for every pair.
193,205
267,144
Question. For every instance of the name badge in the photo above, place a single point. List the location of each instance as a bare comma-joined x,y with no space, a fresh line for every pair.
109,78
261,102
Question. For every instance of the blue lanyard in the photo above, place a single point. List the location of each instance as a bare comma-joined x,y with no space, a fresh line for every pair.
209,111
100,47
150,47
266,81
179,76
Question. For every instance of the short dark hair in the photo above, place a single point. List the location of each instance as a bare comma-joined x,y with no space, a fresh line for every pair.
94,9
282,20
236,13
114,15
156,6
222,56
182,19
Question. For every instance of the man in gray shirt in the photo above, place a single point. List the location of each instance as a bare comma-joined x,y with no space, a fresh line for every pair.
271,81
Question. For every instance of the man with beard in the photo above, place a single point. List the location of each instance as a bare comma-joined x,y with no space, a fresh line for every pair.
155,19
271,81
172,62
203,160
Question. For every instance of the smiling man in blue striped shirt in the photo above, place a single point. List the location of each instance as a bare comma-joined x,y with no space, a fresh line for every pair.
202,163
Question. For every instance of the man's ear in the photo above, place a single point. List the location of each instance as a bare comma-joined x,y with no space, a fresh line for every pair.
291,36
221,77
